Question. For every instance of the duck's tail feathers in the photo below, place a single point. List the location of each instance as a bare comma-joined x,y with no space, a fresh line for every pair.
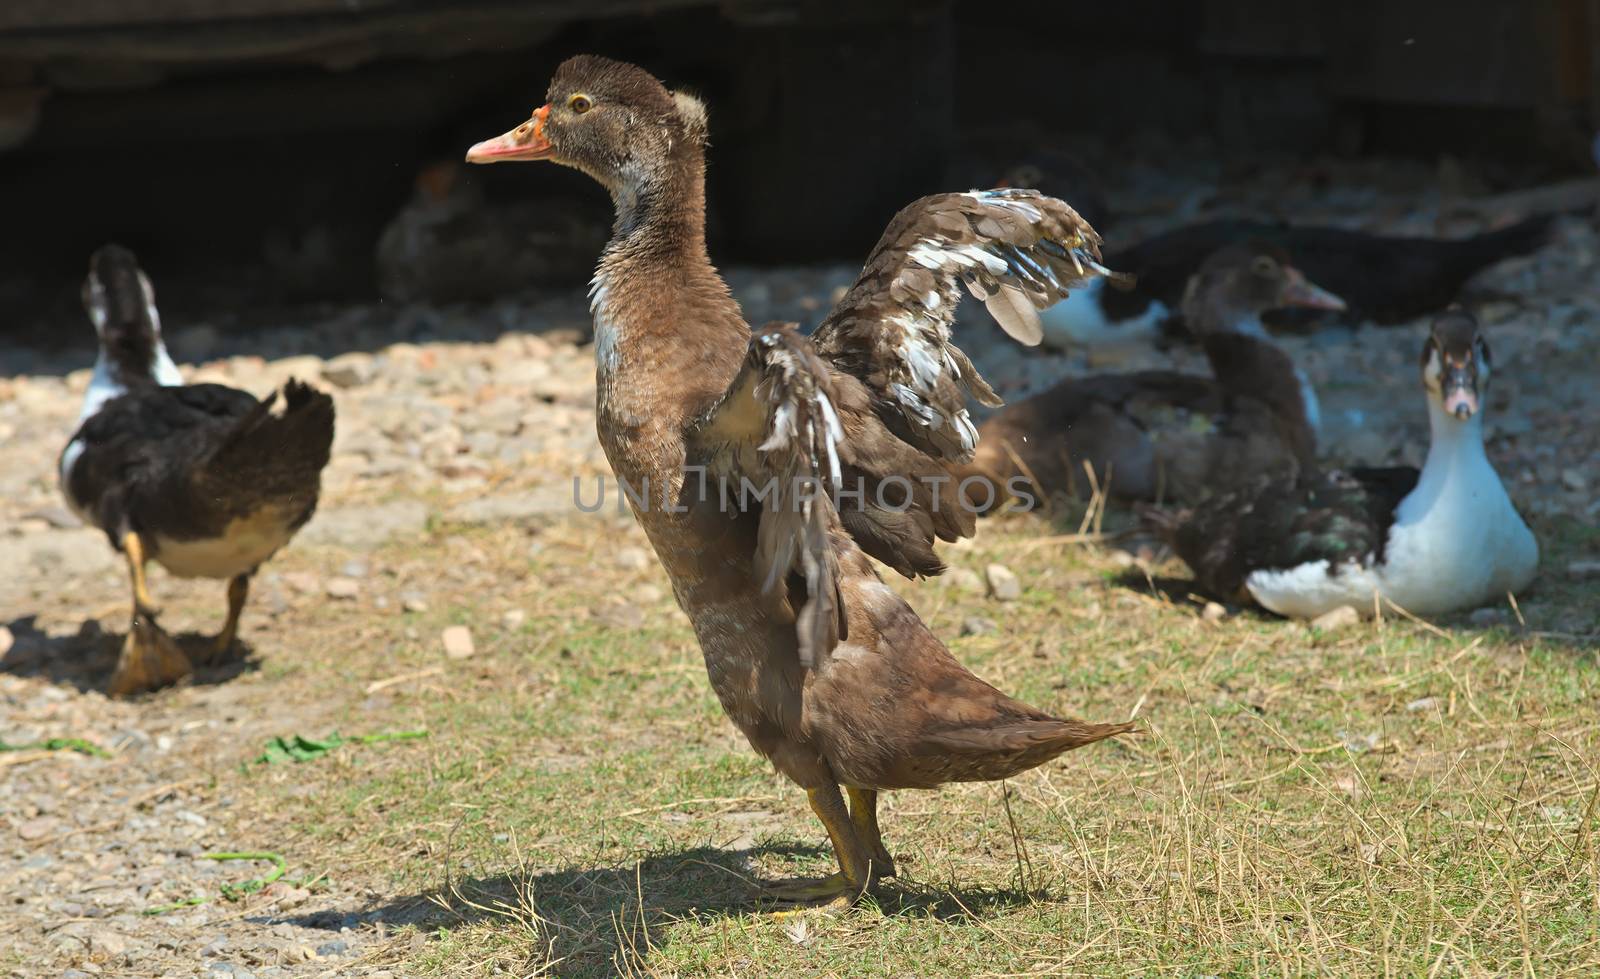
279,455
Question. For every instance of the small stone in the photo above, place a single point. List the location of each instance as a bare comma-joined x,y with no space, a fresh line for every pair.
1583,570
977,625
35,829
1573,480
107,943
303,582
512,620
457,641
343,588
1422,704
964,579
1003,584
1482,617
336,947
413,602
1213,612
633,558
348,370
1336,619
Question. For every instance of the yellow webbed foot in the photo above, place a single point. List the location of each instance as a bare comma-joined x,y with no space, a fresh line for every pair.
150,659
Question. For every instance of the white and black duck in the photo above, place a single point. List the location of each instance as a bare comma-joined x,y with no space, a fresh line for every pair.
1386,279
1444,539
203,479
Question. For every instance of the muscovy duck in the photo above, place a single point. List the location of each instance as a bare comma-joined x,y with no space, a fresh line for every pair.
828,673
1432,542
203,479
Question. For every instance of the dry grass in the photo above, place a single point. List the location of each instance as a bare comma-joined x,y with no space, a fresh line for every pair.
1396,799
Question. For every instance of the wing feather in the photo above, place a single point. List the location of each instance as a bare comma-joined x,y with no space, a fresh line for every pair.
1017,251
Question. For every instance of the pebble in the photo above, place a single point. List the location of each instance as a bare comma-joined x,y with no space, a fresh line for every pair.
977,625
36,829
1487,616
513,619
1422,704
413,602
343,588
457,641
1004,585
336,947
1574,480
1213,612
1337,619
303,582
633,558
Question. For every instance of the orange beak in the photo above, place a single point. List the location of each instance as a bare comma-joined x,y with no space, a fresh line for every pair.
526,142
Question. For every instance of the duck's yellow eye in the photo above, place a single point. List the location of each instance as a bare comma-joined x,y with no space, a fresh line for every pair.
579,104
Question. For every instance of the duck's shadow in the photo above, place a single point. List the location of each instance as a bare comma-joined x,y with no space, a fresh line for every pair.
86,659
603,921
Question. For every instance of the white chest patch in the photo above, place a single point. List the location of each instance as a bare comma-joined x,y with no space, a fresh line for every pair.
245,545
1079,320
605,330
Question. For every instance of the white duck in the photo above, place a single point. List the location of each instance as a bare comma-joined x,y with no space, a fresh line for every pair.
1444,539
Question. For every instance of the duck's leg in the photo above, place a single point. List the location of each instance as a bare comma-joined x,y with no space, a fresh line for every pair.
855,872
238,590
133,551
150,658
864,814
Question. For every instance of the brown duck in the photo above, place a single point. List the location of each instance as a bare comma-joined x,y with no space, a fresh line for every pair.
829,674
1163,434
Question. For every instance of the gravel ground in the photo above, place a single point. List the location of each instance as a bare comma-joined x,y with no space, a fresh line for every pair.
481,415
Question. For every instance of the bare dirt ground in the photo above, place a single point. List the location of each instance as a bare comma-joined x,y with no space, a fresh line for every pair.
1399,795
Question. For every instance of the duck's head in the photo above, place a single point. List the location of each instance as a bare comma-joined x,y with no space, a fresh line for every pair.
612,120
1455,364
118,296
1239,283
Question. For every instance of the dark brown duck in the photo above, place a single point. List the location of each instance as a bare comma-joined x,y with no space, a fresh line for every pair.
827,672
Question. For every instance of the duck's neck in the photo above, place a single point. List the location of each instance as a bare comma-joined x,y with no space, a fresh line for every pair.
1456,461
662,214
1246,362
129,357
656,298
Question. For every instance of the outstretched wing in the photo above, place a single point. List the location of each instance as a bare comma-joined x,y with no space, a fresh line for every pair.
1016,250
851,433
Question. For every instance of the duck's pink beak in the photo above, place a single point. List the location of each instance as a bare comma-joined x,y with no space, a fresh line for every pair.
526,142
1301,291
